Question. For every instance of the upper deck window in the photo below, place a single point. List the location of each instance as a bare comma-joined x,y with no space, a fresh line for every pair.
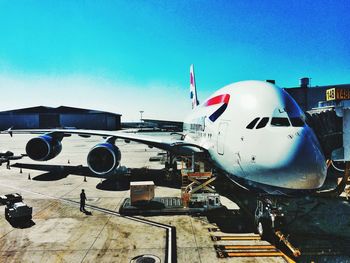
262,123
278,121
252,124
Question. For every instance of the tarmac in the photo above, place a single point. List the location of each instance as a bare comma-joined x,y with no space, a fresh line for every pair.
59,232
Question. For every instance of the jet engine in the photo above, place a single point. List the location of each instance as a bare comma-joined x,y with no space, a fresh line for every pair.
44,147
103,158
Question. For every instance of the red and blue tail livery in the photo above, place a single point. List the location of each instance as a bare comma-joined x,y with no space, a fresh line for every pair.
193,91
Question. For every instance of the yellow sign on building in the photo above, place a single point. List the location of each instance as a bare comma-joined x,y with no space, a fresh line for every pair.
337,94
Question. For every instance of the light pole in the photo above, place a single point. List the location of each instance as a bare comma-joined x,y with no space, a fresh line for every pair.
141,111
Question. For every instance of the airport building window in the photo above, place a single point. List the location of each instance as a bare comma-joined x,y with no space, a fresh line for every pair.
278,121
252,124
262,123
297,122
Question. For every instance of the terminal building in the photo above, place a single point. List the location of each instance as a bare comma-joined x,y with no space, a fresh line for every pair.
154,125
43,117
166,125
309,97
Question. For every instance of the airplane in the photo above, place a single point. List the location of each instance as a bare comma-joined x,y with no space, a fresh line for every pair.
7,156
251,131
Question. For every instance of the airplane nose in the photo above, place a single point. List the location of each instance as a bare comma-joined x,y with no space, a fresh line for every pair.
296,162
307,162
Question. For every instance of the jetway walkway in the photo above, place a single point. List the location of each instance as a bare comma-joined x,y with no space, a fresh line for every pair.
331,124
328,128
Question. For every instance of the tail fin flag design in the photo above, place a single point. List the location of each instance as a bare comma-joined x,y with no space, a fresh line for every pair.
193,91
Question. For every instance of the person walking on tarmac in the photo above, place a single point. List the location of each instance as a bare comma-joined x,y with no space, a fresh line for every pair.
82,201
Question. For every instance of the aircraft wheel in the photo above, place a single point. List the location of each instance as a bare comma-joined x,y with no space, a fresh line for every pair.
7,214
264,228
167,166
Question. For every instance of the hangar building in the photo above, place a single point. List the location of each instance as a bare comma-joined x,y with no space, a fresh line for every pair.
43,117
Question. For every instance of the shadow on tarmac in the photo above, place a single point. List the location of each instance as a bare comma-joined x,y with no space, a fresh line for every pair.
230,221
21,224
320,227
50,176
54,172
122,182
119,182
88,213
114,185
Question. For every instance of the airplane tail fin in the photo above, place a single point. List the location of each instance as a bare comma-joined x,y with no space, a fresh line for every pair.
193,90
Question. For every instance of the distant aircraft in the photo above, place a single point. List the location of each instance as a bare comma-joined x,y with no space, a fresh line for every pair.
7,156
252,131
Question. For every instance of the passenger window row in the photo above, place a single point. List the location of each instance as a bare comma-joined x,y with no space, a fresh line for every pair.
276,121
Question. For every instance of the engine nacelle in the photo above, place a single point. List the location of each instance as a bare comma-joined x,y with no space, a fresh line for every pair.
103,158
43,148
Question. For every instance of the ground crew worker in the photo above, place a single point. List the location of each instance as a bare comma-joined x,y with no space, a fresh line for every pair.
82,201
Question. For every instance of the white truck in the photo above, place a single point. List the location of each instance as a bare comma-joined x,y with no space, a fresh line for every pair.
10,198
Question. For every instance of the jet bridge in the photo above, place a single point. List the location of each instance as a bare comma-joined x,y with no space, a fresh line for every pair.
331,123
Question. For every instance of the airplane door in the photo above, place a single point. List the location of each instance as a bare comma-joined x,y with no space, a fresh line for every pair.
221,137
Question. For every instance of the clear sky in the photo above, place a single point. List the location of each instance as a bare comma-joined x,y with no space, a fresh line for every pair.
126,56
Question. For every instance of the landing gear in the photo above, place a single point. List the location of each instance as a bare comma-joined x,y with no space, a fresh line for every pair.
264,228
268,218
270,223
171,172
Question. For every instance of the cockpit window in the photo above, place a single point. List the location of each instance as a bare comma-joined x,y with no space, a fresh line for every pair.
278,121
297,122
262,123
252,124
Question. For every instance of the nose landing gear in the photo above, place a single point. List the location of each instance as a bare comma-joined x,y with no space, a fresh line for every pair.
270,223
268,217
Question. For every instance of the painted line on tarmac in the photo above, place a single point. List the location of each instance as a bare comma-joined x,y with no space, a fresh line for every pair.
170,255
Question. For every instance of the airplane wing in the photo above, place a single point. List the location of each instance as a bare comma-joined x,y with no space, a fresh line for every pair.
167,144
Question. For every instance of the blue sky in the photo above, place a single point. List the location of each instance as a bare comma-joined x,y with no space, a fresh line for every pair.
126,56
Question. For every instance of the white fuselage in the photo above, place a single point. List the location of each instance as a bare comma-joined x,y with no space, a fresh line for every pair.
277,153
